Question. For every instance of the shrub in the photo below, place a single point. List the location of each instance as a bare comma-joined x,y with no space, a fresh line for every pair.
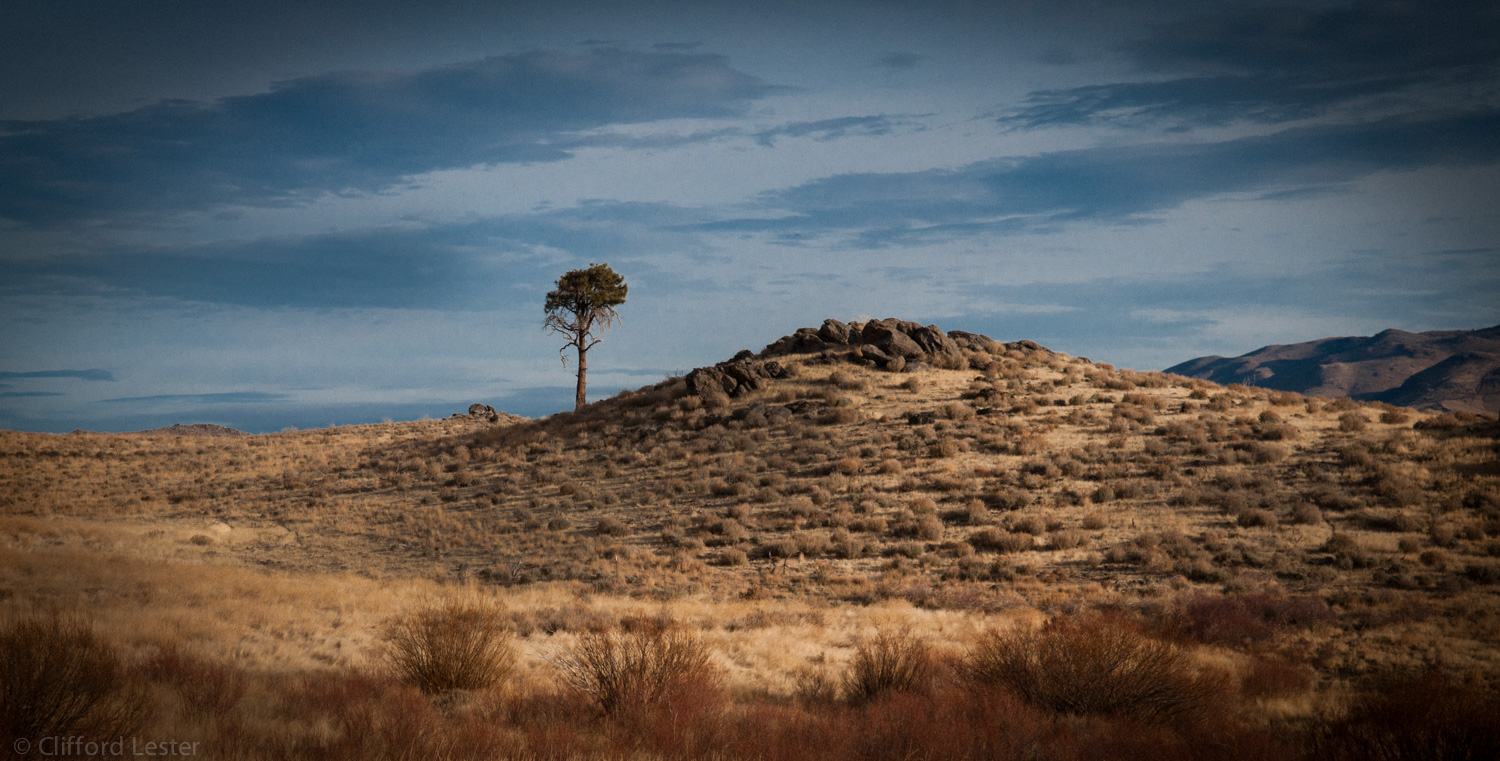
1414,715
1257,517
1099,664
57,679
1249,618
840,416
930,528
844,380
1307,513
1066,539
624,670
1483,573
451,646
956,411
1353,422
611,526
208,689
890,662
997,540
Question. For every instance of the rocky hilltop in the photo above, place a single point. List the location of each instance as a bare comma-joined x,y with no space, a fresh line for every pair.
890,344
1452,370
196,429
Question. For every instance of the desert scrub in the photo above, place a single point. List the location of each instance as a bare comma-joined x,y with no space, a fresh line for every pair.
60,679
627,668
889,662
611,526
451,646
1097,665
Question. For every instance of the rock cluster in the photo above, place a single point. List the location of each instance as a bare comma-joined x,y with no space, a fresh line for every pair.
738,376
484,411
889,343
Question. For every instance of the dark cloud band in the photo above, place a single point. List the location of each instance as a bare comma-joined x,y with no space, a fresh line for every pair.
350,131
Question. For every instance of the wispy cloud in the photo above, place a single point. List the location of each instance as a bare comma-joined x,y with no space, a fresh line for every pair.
231,397
461,265
1279,64
1112,184
902,60
88,375
350,131
830,129
27,394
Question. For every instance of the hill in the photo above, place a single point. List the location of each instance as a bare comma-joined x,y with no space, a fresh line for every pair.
849,493
1453,370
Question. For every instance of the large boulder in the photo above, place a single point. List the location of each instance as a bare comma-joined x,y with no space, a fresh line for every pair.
835,332
875,354
886,336
934,341
971,341
804,341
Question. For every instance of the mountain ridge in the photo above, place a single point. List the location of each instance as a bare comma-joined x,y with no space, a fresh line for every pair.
1446,370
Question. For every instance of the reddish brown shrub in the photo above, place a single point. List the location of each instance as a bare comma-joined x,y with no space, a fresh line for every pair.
1097,665
889,662
59,679
1250,618
1414,715
453,646
208,689
620,670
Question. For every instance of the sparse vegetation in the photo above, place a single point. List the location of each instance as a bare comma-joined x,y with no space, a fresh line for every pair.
1252,551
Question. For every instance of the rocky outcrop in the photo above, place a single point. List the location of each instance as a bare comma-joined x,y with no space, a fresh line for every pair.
196,429
889,343
735,377
483,412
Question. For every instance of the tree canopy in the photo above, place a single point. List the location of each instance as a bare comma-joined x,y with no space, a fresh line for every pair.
581,308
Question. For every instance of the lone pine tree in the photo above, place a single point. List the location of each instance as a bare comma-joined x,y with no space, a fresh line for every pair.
581,308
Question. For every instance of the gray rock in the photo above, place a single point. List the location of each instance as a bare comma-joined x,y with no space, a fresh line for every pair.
970,341
892,341
872,352
804,341
834,332
734,378
934,341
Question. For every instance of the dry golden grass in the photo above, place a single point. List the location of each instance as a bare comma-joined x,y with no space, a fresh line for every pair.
946,503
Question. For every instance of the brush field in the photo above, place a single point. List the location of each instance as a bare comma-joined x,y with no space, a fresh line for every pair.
846,563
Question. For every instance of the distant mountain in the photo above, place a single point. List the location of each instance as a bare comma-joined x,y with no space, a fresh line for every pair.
1454,370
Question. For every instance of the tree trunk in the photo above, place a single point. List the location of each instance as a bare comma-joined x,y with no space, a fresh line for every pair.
583,367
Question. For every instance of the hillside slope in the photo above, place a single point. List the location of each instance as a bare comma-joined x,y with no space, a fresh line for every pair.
790,510
1454,370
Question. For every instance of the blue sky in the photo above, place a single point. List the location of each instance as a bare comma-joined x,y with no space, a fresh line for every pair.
300,214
